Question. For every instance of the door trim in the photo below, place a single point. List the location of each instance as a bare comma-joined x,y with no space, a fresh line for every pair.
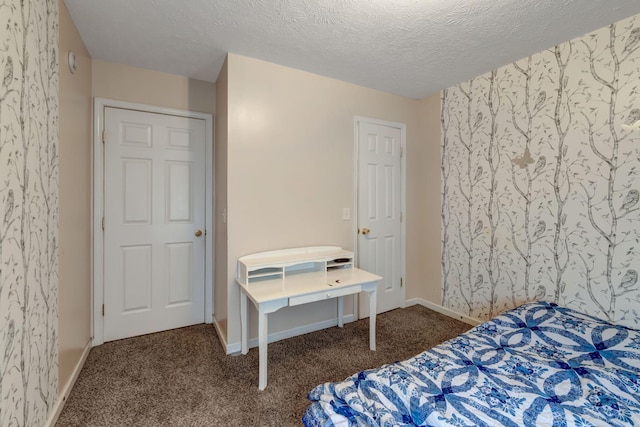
403,199
99,104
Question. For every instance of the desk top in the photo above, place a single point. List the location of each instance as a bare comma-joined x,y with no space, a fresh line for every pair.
306,283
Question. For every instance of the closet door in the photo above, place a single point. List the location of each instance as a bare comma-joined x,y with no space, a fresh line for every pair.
154,245
379,211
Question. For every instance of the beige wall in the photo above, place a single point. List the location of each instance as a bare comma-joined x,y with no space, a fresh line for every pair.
131,84
423,204
285,145
220,156
290,168
74,320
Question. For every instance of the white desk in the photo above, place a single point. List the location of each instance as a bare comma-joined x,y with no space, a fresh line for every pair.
289,277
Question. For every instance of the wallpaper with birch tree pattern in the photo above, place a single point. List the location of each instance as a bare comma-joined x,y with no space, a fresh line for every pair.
540,181
28,211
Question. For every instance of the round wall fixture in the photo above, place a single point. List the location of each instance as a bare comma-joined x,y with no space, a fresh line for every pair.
72,62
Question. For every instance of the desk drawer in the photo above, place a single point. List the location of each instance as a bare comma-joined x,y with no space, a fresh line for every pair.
326,294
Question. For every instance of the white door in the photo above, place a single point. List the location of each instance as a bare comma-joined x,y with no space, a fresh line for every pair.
379,211
154,241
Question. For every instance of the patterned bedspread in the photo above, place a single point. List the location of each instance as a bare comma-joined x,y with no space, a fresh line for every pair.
536,365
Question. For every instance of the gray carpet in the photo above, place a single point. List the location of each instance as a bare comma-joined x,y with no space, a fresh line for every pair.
183,378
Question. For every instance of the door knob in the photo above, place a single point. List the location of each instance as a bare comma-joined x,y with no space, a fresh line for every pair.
198,233
365,231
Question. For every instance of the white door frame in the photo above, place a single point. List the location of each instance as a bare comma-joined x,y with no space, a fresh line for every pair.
99,104
403,199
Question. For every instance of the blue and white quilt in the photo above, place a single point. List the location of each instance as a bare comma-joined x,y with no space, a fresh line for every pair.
536,365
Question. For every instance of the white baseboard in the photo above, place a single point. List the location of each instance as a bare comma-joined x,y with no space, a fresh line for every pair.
442,310
66,390
222,337
236,347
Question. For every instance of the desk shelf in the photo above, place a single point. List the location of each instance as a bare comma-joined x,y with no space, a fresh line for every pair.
266,273
278,264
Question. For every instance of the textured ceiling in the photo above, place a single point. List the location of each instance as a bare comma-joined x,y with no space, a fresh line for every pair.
408,47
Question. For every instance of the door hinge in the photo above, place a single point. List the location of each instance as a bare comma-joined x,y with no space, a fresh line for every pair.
102,223
400,283
401,216
103,136
103,309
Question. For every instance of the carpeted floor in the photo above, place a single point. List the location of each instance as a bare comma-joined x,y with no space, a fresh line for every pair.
183,378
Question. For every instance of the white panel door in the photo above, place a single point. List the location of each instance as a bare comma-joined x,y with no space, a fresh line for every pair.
379,207
154,221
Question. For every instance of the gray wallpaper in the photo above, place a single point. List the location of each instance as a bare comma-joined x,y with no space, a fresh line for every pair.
540,181
28,211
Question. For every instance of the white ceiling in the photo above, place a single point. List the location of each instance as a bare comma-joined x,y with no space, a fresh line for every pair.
408,47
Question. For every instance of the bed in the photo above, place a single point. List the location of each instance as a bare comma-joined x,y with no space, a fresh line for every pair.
536,365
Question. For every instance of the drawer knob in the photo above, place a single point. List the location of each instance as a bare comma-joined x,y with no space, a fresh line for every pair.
328,295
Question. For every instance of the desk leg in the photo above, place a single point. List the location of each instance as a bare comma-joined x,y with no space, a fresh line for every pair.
262,343
243,322
372,320
340,311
